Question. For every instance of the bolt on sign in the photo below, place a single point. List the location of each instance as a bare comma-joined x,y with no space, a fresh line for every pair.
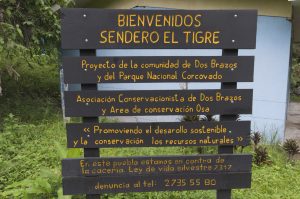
90,29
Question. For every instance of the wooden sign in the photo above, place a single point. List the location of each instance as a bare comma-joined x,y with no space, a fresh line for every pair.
90,29
157,173
101,135
158,29
91,70
162,182
158,102
156,165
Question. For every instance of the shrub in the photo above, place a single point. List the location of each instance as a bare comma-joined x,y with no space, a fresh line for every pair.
256,138
261,156
291,147
28,31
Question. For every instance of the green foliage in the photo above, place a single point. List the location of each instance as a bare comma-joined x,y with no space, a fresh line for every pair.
30,159
295,74
28,188
34,97
25,150
12,54
278,181
262,144
96,4
37,23
28,31
295,98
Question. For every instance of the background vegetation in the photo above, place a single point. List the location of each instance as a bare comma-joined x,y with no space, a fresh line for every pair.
295,78
32,133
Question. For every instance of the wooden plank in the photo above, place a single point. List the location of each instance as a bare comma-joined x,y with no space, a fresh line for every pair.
146,183
156,165
158,102
158,29
103,135
157,69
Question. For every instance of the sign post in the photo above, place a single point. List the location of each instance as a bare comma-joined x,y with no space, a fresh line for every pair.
91,29
90,152
222,149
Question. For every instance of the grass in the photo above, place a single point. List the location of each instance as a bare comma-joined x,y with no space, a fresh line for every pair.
28,148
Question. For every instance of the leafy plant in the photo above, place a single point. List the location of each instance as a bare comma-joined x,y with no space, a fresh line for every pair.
46,184
28,31
256,138
28,188
291,147
261,156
